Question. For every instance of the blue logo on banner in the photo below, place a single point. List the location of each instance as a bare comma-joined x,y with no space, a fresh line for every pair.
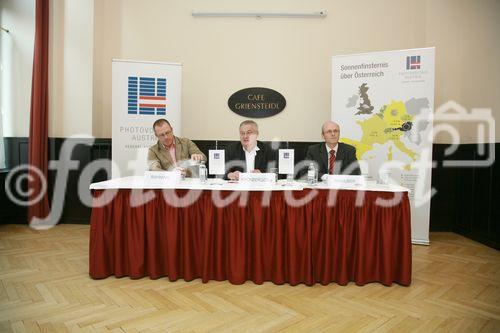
413,62
147,95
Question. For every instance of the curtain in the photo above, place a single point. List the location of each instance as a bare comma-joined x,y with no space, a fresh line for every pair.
313,243
38,137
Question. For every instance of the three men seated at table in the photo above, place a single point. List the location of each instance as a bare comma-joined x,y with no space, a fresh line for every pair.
251,155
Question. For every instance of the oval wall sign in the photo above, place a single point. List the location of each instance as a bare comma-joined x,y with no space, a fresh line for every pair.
256,102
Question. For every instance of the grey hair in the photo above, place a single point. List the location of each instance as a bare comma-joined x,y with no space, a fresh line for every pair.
250,122
326,122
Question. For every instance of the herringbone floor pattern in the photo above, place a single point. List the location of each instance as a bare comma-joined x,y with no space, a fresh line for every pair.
45,287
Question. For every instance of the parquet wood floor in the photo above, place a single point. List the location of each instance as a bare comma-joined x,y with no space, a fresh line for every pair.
45,287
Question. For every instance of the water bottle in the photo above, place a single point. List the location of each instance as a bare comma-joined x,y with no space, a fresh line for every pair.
384,176
311,174
202,171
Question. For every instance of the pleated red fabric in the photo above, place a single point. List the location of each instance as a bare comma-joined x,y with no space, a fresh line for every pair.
39,114
257,237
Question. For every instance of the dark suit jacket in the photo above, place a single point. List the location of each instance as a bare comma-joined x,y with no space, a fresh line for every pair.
346,162
235,152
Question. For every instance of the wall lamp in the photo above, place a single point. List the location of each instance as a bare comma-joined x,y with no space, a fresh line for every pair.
314,14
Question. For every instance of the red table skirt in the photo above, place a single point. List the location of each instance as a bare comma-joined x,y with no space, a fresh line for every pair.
254,241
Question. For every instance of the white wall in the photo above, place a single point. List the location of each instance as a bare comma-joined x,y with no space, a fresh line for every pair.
466,34
71,42
71,67
16,63
223,55
292,56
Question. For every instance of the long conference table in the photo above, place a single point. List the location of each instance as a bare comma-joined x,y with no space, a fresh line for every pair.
283,233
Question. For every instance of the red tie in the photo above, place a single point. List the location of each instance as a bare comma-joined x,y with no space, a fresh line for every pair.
332,162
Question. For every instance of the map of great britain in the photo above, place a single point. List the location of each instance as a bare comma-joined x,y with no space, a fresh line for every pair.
390,124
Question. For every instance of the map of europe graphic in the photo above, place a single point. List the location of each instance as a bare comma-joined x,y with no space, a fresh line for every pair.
388,125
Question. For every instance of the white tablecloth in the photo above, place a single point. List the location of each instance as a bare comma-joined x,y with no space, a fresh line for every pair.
139,182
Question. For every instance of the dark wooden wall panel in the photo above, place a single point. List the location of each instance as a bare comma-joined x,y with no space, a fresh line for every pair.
466,201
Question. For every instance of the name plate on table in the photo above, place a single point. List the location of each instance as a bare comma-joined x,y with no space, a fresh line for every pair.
345,181
258,178
166,178
286,161
216,162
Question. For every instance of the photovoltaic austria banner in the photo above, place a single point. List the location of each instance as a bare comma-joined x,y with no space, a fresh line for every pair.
142,92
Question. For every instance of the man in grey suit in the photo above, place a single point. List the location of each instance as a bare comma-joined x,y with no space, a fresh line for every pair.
333,157
171,152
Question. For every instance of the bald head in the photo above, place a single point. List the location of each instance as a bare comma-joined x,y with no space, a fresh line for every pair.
330,131
328,124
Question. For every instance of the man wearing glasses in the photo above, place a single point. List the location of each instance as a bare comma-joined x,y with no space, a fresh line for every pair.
171,152
333,157
248,155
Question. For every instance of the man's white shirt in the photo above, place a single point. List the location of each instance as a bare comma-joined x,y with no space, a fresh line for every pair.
250,158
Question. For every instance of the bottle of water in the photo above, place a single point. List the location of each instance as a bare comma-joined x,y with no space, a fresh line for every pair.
311,174
202,171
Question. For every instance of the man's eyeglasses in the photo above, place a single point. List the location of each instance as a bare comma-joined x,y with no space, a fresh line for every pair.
246,133
167,133
335,131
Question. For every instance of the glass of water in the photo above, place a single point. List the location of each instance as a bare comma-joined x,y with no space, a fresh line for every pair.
275,171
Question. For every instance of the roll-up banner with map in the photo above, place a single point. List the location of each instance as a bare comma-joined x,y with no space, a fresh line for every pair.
383,102
143,92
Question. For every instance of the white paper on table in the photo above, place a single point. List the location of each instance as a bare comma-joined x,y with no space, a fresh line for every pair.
345,180
286,161
167,178
259,178
216,162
